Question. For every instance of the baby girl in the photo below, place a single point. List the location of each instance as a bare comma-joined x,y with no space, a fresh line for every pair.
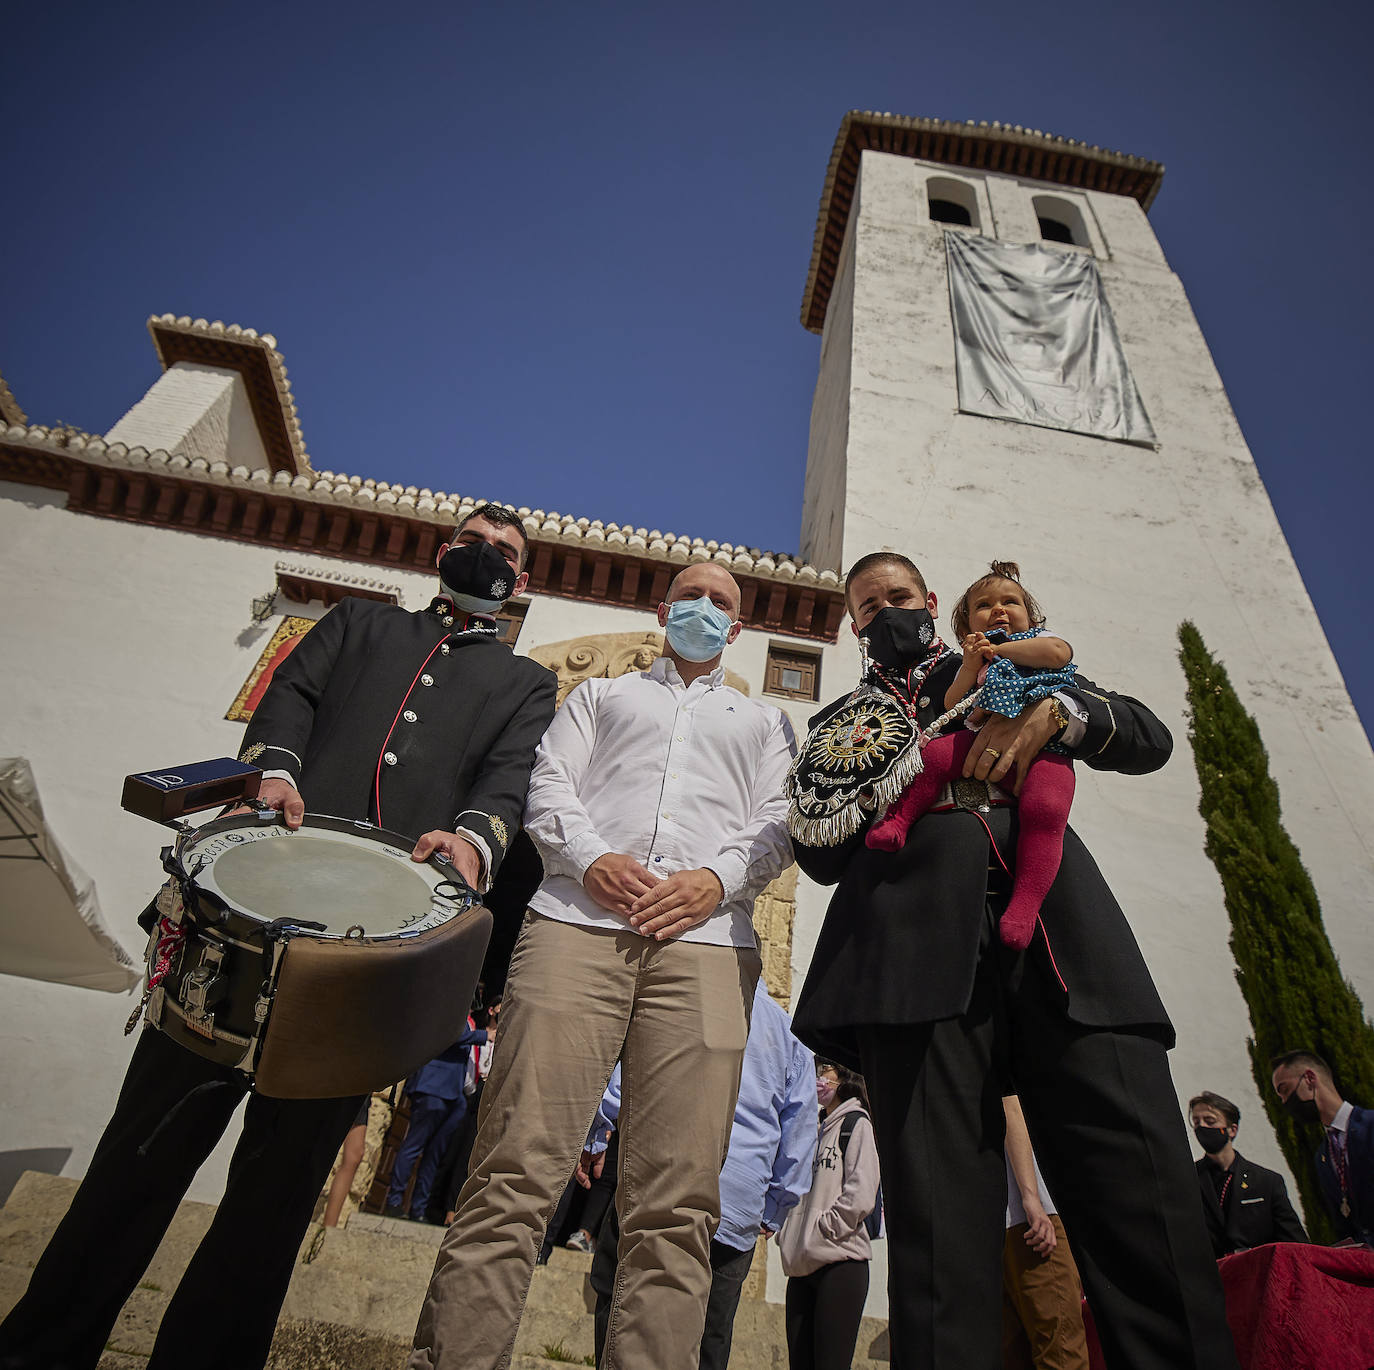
1016,662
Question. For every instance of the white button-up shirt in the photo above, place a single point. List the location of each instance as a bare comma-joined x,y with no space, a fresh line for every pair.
677,776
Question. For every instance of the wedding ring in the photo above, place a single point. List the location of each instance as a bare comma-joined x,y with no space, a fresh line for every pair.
992,752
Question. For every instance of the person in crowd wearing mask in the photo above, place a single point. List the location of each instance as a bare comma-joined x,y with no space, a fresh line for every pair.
657,804
911,985
824,1244
1345,1158
1244,1204
424,723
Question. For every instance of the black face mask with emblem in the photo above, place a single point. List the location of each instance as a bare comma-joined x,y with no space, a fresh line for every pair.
476,577
898,637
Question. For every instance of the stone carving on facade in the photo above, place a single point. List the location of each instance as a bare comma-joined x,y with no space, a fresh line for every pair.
606,655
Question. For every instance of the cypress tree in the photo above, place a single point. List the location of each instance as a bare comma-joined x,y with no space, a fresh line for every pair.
1287,972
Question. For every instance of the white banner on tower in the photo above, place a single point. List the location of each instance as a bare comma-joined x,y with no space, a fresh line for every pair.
1035,341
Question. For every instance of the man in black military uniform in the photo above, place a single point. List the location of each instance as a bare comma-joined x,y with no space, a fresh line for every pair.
910,984
1243,1204
423,723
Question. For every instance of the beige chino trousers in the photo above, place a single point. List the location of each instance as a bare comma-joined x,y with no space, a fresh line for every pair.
676,1015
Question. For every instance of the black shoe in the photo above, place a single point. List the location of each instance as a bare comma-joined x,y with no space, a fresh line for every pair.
394,1211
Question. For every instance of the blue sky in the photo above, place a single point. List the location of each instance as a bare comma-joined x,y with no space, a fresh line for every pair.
554,254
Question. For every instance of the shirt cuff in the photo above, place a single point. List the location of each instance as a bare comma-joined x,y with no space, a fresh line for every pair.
1077,725
728,871
582,853
483,853
280,775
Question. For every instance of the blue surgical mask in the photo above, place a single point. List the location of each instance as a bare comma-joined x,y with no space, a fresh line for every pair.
696,629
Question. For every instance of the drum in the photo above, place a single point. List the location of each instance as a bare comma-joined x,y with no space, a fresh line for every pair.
319,962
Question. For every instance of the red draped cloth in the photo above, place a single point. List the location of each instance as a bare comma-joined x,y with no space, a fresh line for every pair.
1293,1307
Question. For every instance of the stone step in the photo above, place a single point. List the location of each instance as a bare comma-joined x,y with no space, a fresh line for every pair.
357,1291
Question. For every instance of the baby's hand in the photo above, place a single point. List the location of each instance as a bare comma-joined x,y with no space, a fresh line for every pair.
976,645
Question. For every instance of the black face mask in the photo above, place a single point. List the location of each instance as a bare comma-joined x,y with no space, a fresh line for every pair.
897,637
1211,1139
476,577
1304,1110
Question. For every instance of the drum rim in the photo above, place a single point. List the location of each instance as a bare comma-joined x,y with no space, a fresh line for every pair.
466,897
328,821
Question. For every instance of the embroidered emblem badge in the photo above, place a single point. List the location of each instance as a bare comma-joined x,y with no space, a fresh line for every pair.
499,589
251,754
498,829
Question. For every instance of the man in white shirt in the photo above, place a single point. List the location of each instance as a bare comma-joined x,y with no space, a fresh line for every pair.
657,806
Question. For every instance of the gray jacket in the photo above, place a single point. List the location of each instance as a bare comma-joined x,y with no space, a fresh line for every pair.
828,1224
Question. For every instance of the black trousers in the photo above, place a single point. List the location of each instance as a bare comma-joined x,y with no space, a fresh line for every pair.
729,1269
596,1203
824,1310
1104,1119
173,1108
453,1172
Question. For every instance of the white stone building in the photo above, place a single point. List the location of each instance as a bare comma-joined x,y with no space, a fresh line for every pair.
132,564
1119,542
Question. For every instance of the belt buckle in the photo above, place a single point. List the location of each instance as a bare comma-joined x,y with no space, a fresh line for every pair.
971,794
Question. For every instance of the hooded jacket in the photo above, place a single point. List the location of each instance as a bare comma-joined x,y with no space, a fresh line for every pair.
828,1224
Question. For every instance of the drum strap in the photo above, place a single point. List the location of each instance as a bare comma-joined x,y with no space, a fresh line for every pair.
202,1088
192,895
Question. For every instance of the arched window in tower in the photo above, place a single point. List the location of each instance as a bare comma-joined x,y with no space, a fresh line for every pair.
1061,221
952,202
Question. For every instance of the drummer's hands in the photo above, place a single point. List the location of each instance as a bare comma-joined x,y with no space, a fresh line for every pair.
1004,744
465,858
615,881
282,796
676,905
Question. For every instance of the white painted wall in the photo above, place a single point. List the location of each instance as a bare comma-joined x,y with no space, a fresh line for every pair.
1119,543
124,647
198,411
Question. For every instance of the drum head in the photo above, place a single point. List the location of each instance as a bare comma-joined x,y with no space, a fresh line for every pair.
344,875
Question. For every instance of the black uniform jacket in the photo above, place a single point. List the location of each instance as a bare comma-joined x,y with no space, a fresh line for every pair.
1257,1208
900,941
1360,1163
392,717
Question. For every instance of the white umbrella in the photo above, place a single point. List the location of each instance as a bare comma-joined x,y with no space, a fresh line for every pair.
50,923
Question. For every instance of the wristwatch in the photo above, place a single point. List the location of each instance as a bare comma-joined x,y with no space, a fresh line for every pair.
1059,714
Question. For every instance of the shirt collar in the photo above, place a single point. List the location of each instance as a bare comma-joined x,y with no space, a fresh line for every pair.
1341,1122
461,623
665,670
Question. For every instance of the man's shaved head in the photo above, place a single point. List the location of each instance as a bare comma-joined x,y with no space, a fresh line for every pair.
707,579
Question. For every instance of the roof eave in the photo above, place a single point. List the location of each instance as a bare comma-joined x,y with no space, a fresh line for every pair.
1005,148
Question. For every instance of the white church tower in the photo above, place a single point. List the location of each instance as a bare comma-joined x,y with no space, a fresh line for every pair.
1009,369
